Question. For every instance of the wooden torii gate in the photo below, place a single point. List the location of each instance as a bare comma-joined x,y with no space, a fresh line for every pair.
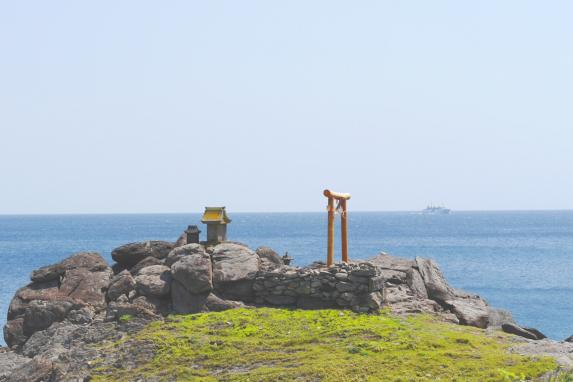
341,198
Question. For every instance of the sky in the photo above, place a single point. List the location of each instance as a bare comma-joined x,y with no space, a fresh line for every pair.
145,106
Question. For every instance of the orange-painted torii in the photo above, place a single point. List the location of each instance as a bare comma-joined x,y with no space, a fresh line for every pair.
341,198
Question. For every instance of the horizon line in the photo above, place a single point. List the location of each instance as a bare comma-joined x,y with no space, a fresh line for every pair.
272,212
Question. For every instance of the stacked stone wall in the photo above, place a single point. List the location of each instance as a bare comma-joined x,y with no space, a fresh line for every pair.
357,286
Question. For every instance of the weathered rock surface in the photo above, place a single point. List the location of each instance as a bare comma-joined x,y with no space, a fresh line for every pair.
269,258
471,311
154,281
38,369
436,285
182,251
81,301
9,361
234,262
194,272
121,284
185,302
146,262
77,282
133,253
529,333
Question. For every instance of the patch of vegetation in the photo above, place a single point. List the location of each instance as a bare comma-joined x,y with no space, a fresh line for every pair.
125,318
322,345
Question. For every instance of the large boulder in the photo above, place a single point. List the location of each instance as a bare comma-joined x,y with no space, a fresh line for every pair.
131,254
185,302
517,330
498,317
39,314
182,251
154,281
56,291
436,285
121,284
472,311
416,283
234,262
86,287
194,272
146,262
89,261
269,258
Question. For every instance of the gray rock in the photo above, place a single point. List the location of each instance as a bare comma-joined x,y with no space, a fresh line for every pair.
86,287
50,272
470,311
90,261
376,284
40,315
38,369
217,304
393,276
185,302
121,284
498,317
344,287
194,272
385,261
233,262
133,253
181,240
537,333
239,290
81,316
146,262
436,285
154,281
117,310
518,331
269,258
14,332
182,251
10,361
16,307
416,283
63,337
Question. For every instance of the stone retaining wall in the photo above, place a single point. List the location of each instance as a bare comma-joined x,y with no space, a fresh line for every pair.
357,286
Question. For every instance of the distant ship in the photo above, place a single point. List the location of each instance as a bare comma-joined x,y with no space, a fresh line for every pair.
436,210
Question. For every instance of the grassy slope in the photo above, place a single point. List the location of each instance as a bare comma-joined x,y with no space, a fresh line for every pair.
326,345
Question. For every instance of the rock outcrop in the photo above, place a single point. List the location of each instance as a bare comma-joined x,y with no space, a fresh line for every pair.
82,300
78,283
131,254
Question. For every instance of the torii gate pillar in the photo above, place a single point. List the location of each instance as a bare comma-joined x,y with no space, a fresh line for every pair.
341,198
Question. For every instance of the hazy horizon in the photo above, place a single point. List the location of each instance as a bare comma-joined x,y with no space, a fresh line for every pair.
144,107
230,212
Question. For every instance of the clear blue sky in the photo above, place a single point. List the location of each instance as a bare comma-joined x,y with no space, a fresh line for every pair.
146,106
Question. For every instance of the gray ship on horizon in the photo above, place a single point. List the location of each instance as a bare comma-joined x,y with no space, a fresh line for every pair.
436,210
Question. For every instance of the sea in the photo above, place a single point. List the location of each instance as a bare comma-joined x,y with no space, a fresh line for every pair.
520,261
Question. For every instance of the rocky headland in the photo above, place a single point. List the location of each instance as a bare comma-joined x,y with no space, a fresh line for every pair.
67,307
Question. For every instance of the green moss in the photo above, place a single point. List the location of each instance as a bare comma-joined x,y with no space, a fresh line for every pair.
323,345
125,318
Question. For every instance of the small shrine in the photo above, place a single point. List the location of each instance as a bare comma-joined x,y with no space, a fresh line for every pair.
216,219
192,234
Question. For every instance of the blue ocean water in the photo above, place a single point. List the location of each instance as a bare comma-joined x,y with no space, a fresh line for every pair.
521,261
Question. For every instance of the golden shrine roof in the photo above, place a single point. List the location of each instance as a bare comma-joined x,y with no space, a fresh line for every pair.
215,215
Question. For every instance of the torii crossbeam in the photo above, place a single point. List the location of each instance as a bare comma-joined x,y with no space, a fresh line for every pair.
341,198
